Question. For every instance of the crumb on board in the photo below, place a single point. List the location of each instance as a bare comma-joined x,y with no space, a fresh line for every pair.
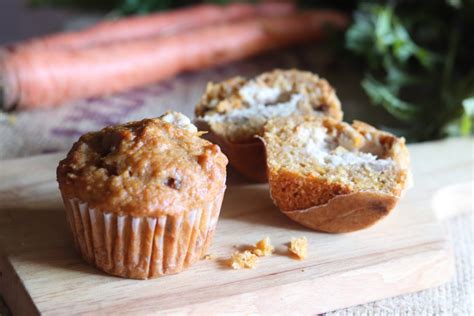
263,247
299,247
243,260
210,257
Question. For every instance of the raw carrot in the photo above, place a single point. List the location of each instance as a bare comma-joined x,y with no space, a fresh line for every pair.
164,23
36,79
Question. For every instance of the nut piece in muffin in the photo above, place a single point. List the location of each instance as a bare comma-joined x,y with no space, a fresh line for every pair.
331,176
143,198
236,110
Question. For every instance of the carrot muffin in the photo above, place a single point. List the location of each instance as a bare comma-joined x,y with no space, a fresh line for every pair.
142,199
235,111
331,176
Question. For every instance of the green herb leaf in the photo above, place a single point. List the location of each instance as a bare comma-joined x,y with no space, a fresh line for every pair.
420,61
382,95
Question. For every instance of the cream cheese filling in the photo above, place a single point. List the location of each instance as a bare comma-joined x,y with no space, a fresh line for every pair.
262,104
326,151
180,120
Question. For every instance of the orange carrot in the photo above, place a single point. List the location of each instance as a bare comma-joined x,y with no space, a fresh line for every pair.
36,79
164,23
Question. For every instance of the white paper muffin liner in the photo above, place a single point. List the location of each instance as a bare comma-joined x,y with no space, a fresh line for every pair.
141,247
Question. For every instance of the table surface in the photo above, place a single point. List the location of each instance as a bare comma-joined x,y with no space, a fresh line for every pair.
414,254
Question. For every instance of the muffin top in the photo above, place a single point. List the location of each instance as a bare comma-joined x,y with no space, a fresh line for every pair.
149,167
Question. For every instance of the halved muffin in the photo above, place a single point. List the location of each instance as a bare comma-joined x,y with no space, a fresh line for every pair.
142,199
236,110
331,176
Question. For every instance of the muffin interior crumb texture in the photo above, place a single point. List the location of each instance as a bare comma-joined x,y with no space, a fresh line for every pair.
149,167
299,247
238,109
335,151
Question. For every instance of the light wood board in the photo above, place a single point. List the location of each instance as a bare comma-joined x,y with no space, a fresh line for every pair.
406,252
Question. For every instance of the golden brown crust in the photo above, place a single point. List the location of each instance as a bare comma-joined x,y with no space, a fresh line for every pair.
335,206
292,191
145,168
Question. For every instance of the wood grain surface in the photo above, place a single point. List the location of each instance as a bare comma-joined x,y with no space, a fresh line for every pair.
406,252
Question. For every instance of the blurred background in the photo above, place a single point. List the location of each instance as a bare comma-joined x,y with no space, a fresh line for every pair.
20,21
404,66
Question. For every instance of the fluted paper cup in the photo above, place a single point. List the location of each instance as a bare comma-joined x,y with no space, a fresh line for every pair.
141,247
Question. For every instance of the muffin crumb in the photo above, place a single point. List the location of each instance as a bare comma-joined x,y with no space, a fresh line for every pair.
263,248
243,260
299,247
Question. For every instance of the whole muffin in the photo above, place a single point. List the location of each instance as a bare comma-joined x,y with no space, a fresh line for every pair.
235,112
142,199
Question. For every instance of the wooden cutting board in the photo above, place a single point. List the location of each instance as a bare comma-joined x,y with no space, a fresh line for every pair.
406,252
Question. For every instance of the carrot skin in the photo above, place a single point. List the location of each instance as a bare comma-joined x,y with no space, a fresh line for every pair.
163,23
51,78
